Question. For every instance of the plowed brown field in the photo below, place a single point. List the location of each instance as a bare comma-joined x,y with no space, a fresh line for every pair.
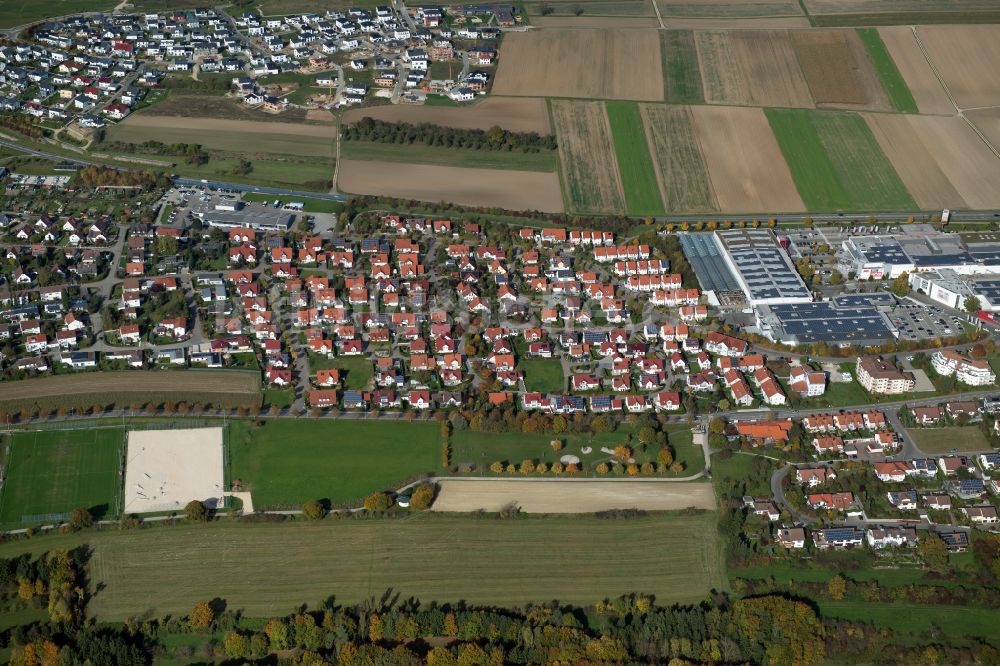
938,157
917,73
748,171
968,59
513,190
838,70
601,64
516,114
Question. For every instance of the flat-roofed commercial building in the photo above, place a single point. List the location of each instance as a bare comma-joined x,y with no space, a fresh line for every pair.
823,321
762,268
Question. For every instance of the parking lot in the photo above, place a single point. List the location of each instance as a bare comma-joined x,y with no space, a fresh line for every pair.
919,322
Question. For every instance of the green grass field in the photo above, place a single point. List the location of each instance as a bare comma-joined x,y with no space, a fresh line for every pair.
681,75
286,462
277,567
302,174
943,440
455,157
274,143
58,471
642,192
18,12
893,82
918,619
543,374
836,162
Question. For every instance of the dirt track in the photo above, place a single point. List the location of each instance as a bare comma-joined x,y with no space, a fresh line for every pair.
562,496
516,114
513,190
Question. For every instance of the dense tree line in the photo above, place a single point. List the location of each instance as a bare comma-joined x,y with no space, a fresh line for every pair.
100,176
495,138
22,125
152,147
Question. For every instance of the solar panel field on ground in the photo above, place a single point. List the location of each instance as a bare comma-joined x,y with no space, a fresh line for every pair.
51,473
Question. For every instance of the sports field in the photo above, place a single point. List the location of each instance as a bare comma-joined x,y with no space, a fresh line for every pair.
642,193
58,471
286,462
268,569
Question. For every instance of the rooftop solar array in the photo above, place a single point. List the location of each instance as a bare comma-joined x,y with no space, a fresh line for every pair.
763,265
822,322
990,289
873,299
708,263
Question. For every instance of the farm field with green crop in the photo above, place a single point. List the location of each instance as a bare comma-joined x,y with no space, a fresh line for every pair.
836,162
277,567
893,82
285,462
57,471
642,194
681,75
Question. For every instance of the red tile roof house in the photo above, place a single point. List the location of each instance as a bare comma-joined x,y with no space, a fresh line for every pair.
323,398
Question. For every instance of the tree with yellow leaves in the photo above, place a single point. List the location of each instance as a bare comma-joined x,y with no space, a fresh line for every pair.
202,616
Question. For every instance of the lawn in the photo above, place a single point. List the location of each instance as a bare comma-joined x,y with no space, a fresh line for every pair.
314,174
943,440
58,471
357,370
642,192
269,569
18,12
836,162
543,374
286,462
279,397
918,619
454,157
681,74
893,82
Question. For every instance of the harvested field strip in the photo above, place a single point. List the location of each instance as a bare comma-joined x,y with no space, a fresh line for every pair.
590,8
720,69
236,140
967,58
514,114
813,172
635,167
748,172
492,188
588,63
572,496
729,8
966,160
895,6
457,157
784,22
867,175
905,18
221,388
920,79
273,568
914,162
587,151
683,177
899,93
682,76
838,70
771,67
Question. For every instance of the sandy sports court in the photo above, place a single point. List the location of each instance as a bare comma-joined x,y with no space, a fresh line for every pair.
745,163
967,58
166,469
566,496
596,64
515,114
941,160
838,70
512,190
916,71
